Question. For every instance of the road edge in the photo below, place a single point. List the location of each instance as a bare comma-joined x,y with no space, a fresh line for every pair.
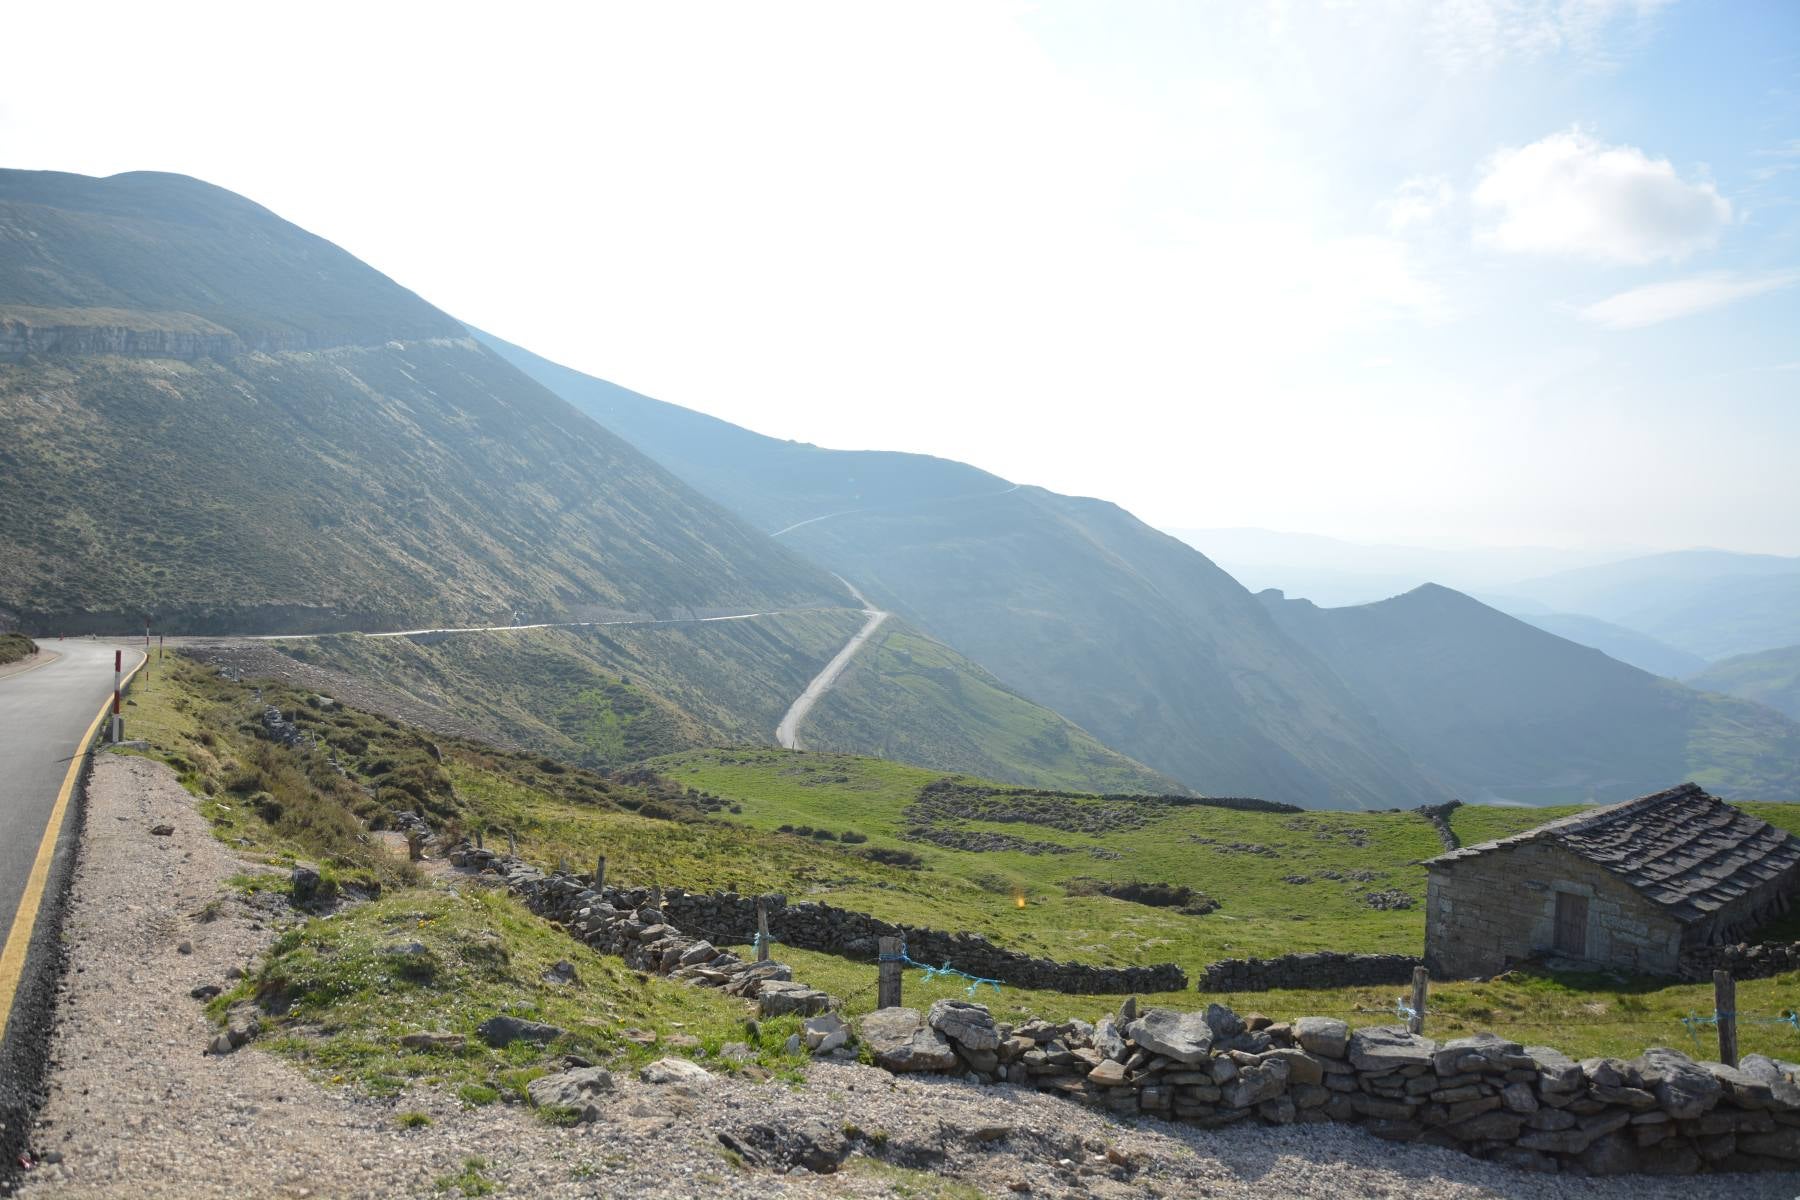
25,1027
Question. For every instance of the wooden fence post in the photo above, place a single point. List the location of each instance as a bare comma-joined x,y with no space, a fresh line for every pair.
512,845
1421,981
656,897
478,838
1725,1009
600,873
888,993
762,929
562,864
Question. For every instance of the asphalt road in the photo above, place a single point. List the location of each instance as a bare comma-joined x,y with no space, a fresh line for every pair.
45,712
787,734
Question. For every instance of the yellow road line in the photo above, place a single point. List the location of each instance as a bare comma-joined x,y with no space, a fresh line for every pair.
18,942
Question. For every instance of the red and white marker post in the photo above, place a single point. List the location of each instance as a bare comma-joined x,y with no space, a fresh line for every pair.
118,716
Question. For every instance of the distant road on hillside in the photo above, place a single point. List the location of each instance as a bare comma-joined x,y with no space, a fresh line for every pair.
787,734
46,710
884,507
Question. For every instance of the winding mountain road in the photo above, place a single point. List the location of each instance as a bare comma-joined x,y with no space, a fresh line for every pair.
787,734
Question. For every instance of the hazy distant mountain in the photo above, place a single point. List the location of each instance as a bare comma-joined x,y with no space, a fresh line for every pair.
218,419
1712,603
1770,677
1334,572
1073,603
1626,645
1497,709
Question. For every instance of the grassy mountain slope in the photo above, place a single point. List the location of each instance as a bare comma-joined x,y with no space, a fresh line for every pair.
620,694
1627,645
391,472
1072,603
738,468
1712,603
604,696
1499,709
914,700
1771,677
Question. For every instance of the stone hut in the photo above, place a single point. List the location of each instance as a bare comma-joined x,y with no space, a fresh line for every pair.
1631,886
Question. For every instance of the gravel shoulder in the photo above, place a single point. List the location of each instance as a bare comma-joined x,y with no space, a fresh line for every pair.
137,1110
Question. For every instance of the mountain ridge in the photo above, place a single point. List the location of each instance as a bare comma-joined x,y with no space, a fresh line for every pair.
1074,604
1499,709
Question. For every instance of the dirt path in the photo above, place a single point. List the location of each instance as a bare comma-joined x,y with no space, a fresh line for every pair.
787,734
136,1110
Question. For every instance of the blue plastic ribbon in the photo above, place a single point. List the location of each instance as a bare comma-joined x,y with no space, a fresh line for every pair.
944,971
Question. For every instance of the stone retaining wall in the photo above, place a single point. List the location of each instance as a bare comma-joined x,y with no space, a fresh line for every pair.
1528,1107
1321,969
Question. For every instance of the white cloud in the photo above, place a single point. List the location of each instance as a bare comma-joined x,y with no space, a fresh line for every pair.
1568,194
1418,201
1655,303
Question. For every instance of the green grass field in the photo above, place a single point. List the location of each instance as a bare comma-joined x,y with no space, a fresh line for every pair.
713,819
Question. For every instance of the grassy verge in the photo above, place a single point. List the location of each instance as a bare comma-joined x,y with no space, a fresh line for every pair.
14,646
348,988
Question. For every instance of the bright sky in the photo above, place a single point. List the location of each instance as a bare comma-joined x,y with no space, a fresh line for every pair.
1489,271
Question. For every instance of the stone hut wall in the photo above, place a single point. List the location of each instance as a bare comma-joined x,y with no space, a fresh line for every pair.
1736,918
1527,1107
1483,914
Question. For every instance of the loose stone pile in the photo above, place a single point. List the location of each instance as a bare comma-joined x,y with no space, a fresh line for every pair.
1528,1107
1321,969
642,935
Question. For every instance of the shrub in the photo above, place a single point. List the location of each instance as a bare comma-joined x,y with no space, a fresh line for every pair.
893,858
852,838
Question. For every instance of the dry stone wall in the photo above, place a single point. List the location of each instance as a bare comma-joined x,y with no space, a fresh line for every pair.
730,919
1530,1107
1743,961
1322,969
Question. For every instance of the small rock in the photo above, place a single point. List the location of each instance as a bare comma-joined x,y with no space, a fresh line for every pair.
206,991
431,1039
162,830
503,1031
575,1089
185,948
825,1033
562,974
675,1070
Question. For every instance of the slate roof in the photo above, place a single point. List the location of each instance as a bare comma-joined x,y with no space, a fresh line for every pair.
1684,850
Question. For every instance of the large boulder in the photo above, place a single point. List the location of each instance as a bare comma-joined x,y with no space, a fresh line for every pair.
901,1041
964,1022
1184,1037
1385,1049
577,1090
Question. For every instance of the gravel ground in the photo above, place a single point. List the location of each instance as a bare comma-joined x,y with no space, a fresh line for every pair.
136,1110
